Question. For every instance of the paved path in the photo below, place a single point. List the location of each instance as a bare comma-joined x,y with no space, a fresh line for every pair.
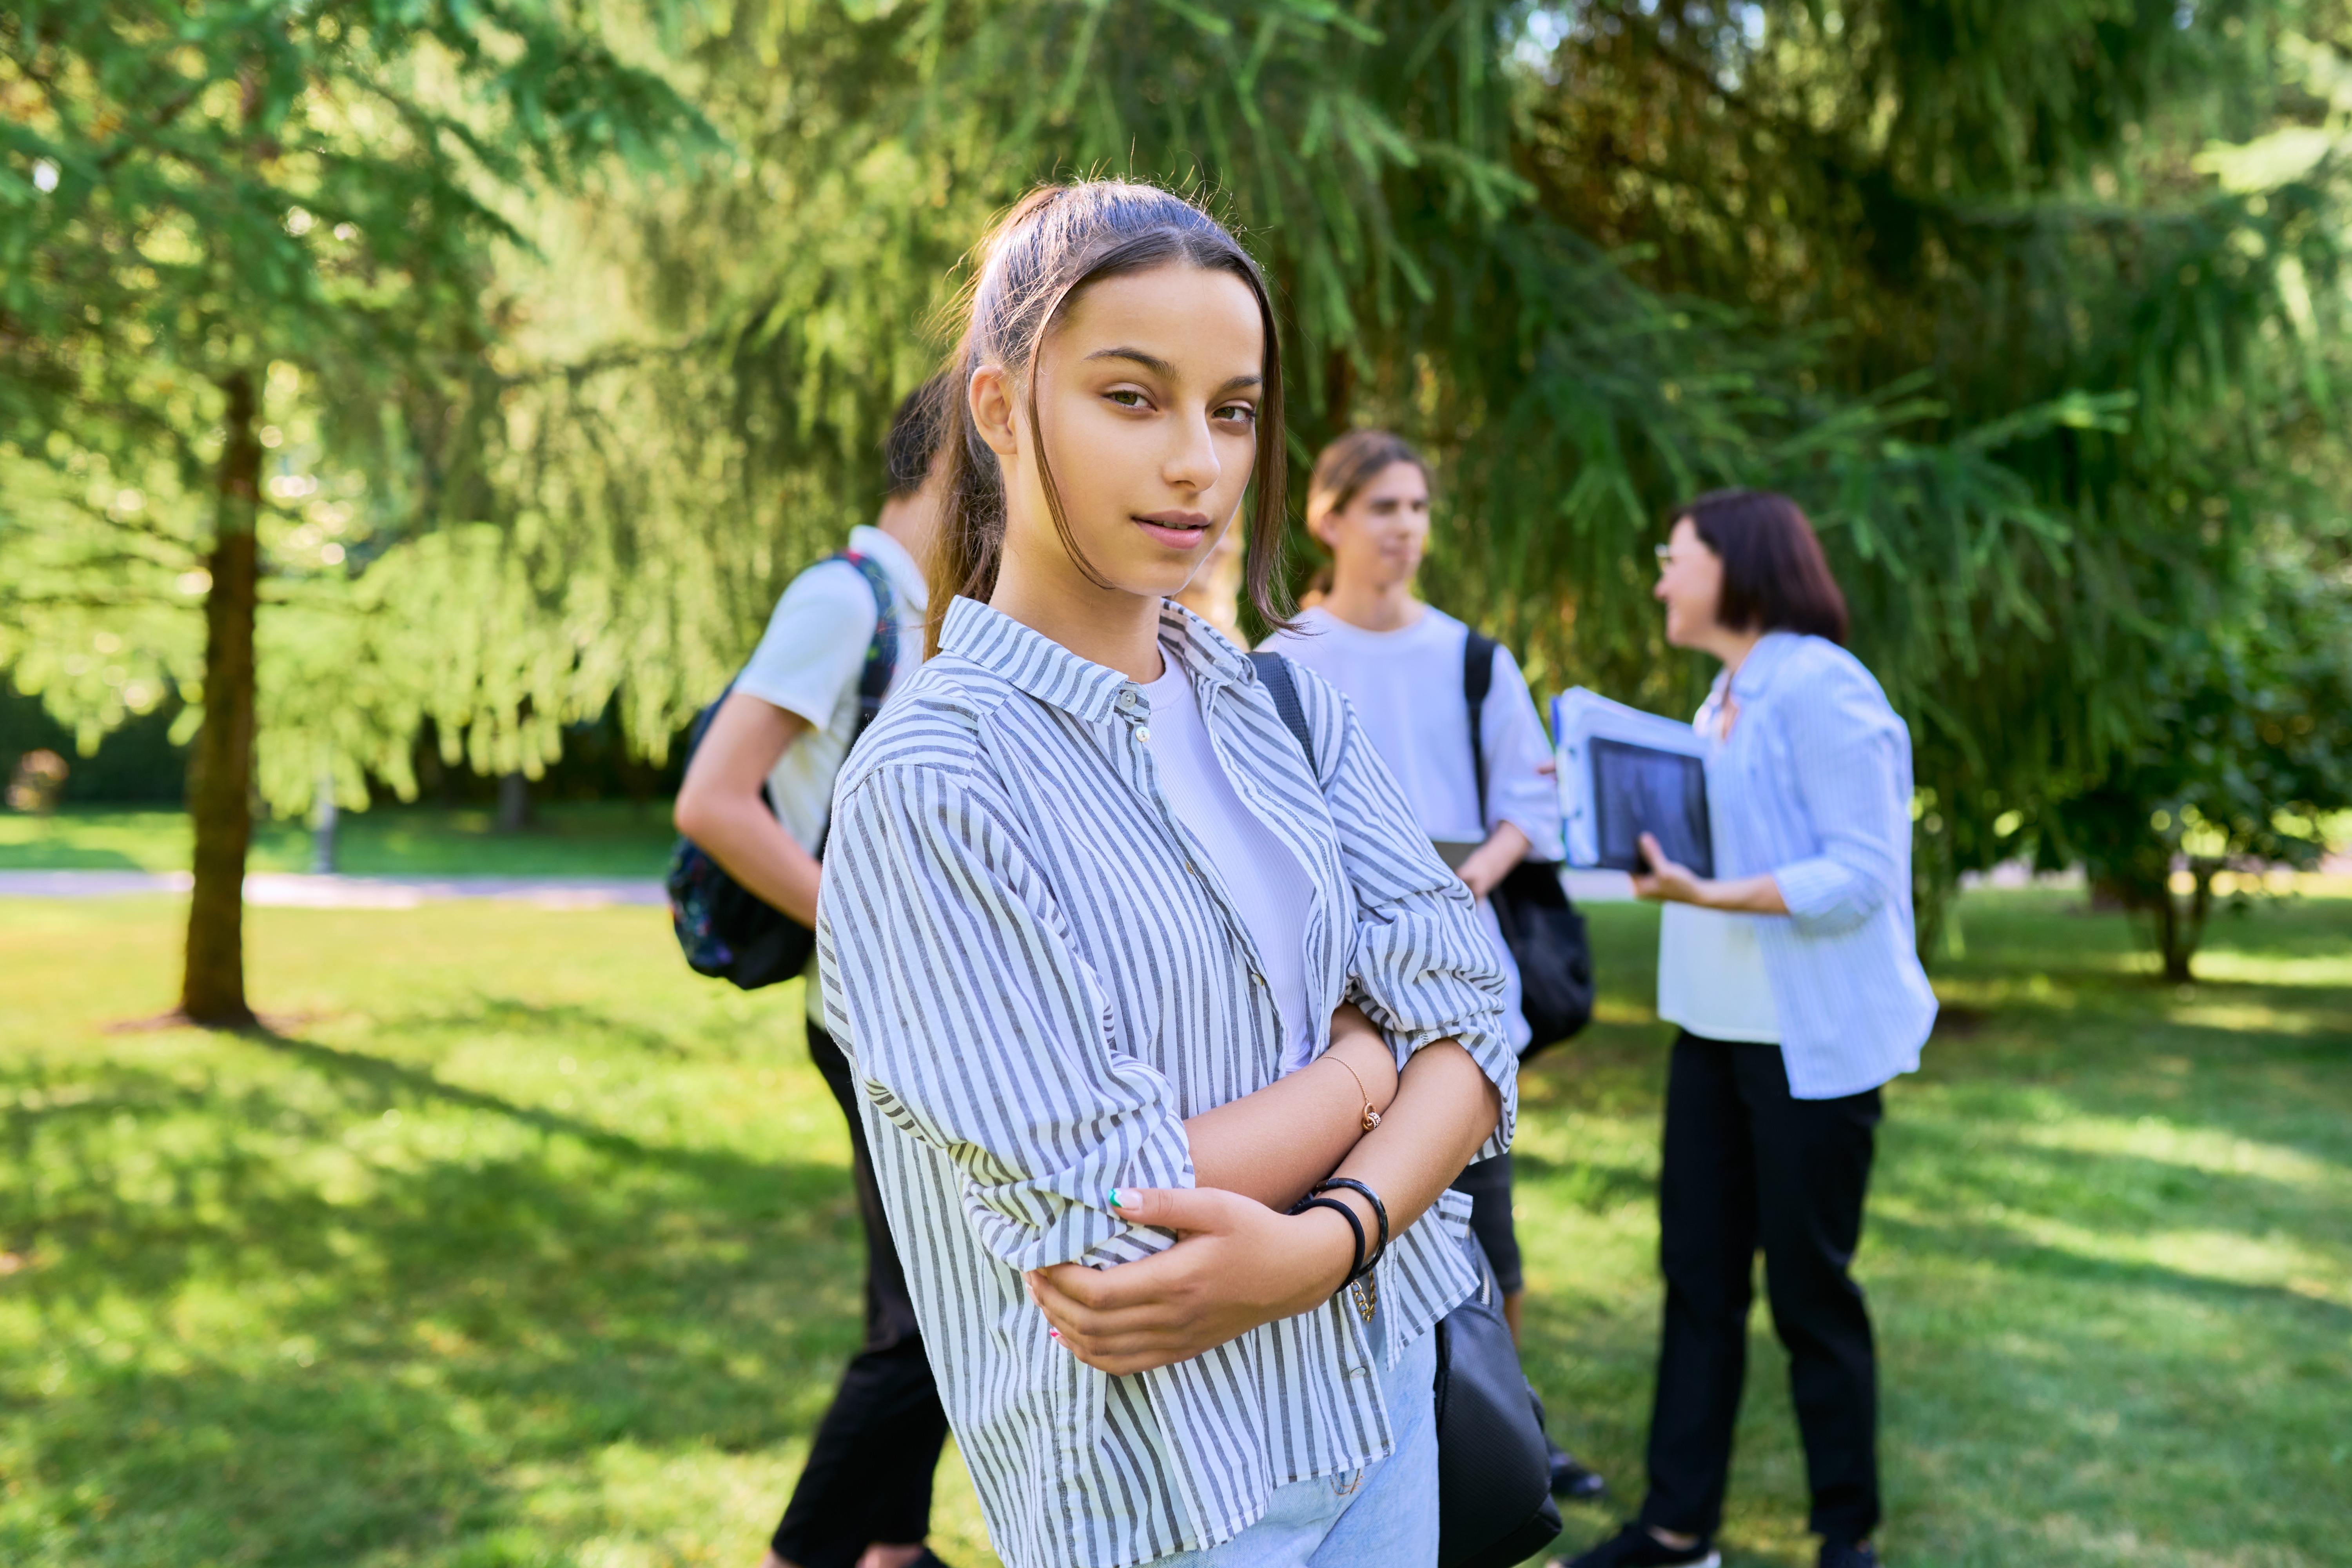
285,889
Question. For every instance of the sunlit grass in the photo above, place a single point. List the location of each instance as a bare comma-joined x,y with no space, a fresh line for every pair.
519,1245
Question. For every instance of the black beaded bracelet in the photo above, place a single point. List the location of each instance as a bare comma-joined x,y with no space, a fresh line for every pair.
1379,1212
1355,1225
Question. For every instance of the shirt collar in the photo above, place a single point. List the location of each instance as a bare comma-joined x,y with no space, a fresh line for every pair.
1202,648
1045,669
1763,661
905,573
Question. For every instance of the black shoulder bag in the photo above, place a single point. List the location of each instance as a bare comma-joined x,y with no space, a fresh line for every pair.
1494,1468
1540,926
727,931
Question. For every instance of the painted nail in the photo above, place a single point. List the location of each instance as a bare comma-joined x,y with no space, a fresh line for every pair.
1113,1195
1053,1333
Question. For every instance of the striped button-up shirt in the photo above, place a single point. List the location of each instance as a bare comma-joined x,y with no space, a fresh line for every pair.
1039,974
1813,786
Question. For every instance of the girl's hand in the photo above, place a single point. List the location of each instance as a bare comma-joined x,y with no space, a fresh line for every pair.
1236,1264
1665,881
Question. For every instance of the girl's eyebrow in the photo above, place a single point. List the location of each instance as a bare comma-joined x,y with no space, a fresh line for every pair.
1151,362
1161,368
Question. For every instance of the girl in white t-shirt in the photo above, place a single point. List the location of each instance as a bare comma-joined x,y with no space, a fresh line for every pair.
1399,662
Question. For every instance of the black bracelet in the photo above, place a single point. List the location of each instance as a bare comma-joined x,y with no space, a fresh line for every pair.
1354,1225
1379,1212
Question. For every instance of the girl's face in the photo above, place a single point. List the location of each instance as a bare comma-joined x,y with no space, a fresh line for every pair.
1147,394
1690,584
1377,540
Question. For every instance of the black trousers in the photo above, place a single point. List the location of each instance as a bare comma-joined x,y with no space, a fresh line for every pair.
868,1477
1747,1166
1488,1183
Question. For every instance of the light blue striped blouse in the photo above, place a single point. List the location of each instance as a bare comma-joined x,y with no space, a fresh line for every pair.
1038,975
1814,787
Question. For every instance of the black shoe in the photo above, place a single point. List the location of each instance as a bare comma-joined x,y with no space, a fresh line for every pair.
1840,1554
1571,1481
1636,1547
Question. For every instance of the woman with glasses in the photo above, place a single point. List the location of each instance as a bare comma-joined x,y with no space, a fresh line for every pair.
1792,976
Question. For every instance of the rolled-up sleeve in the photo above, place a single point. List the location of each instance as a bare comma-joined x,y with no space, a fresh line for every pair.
975,1028
1422,969
1849,760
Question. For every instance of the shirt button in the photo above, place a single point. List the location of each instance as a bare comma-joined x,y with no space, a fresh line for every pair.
1143,733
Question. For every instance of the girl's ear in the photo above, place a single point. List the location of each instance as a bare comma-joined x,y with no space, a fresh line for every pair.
991,409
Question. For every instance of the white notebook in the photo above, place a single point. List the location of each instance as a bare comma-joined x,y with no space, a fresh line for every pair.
1624,773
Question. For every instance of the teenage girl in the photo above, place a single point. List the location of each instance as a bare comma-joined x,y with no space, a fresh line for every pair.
1088,916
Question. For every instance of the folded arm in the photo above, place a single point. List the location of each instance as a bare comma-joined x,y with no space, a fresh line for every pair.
1275,1143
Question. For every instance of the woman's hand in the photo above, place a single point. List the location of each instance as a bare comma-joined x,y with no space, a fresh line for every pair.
1665,881
1670,883
1236,1264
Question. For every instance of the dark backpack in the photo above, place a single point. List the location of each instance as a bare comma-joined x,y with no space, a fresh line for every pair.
727,931
1540,925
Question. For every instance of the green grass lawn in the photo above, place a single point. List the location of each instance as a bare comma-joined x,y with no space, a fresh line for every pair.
566,839
520,1244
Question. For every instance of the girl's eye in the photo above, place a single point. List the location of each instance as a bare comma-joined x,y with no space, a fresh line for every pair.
1237,413
1126,398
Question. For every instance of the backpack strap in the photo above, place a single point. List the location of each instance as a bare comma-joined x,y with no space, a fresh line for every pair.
1275,670
882,652
1477,679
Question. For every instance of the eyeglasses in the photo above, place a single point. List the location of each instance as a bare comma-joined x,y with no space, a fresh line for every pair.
1665,553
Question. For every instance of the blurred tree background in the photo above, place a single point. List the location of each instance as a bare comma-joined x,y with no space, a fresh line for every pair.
2037,305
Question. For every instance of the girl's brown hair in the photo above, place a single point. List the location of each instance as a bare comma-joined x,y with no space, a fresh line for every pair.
1350,463
1055,242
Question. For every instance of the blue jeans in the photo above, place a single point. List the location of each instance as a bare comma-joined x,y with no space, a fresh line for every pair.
1385,1513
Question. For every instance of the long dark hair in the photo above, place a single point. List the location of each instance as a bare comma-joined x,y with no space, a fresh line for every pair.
1775,577
1053,243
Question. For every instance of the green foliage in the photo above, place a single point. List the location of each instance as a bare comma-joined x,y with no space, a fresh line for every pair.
2034,369
2252,755
2037,306
191,194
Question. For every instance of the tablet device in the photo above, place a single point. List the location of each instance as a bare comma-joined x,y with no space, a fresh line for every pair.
1641,789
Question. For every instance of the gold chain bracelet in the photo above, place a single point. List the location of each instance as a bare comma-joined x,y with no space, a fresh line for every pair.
1371,1116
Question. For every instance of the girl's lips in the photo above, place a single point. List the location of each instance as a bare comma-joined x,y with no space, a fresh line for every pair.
1176,530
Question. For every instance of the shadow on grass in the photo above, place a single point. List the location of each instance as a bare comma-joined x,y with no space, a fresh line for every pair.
326,1304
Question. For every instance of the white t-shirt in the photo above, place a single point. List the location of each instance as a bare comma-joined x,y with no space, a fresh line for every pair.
1267,884
1711,977
1406,689
808,663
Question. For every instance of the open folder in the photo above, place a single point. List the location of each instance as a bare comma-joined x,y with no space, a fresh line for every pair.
1624,773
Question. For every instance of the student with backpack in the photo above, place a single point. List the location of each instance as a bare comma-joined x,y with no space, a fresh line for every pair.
1450,714
757,800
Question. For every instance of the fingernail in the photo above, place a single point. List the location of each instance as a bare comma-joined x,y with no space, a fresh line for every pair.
1053,1334
1113,1195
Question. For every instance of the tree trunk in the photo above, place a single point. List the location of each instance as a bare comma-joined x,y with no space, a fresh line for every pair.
514,803
220,765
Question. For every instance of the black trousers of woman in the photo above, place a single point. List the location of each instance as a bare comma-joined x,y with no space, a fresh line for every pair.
1747,1166
868,1475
